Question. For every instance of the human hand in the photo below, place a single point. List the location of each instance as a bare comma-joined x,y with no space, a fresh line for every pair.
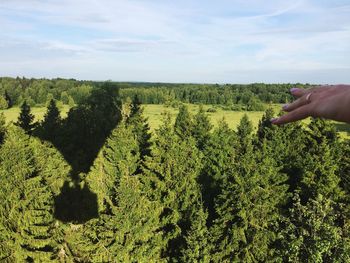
330,102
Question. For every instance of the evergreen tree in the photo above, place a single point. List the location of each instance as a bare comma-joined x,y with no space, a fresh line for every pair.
26,118
71,102
119,156
49,127
8,99
311,234
248,209
244,137
320,165
3,103
31,174
127,229
201,128
316,225
171,174
184,123
218,158
197,248
140,127
265,127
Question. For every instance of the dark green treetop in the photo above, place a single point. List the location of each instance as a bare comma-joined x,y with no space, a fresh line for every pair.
184,123
26,118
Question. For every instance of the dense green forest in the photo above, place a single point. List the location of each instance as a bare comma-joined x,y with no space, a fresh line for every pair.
97,186
38,92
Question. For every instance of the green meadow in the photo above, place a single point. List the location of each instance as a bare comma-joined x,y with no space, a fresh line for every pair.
11,114
154,114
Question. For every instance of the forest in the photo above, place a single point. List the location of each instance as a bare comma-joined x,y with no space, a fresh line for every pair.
38,92
98,186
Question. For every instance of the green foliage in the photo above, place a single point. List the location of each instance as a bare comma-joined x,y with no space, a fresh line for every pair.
265,127
71,102
31,173
254,104
188,194
3,103
171,174
118,157
248,208
126,230
140,127
26,118
2,127
197,248
184,123
219,154
311,233
65,97
244,131
321,163
49,128
201,128
49,99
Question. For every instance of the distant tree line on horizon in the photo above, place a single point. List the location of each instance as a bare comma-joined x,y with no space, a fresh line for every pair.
98,186
39,92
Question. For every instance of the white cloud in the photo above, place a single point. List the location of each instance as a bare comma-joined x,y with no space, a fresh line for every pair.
184,40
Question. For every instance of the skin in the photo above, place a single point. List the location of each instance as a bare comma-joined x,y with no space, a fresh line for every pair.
329,102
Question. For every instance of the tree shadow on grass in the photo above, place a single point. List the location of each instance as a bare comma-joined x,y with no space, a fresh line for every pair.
79,138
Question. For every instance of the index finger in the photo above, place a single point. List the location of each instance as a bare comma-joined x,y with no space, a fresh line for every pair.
295,115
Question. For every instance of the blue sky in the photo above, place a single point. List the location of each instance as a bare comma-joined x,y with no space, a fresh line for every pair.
237,41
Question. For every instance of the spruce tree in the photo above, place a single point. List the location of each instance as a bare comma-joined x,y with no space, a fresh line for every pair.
140,127
127,228
244,131
218,158
312,234
320,171
201,128
119,156
197,246
31,174
248,208
184,123
26,118
49,127
316,228
171,174
265,127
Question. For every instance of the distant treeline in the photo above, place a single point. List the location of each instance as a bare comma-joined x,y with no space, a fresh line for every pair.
38,92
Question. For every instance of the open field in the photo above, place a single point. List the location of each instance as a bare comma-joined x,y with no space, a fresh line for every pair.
11,114
154,115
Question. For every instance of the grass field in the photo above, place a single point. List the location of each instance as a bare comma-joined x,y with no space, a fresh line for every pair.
11,114
154,115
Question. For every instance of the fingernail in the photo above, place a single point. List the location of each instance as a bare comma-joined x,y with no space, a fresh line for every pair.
273,120
293,90
285,106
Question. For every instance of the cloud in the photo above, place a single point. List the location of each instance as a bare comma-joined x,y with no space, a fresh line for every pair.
176,39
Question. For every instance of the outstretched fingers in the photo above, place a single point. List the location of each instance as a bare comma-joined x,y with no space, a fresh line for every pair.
305,99
295,115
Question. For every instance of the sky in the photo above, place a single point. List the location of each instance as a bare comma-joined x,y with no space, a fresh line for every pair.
222,41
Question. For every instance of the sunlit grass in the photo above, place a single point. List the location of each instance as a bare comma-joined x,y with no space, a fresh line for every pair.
11,115
154,114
